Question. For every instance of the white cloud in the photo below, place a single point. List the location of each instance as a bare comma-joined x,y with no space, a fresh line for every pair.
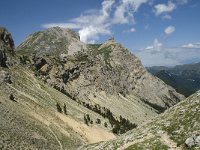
91,24
91,33
169,30
124,12
192,45
166,17
156,47
159,55
164,8
94,23
132,30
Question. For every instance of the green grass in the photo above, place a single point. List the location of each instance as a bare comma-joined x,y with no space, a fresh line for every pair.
153,144
180,125
94,46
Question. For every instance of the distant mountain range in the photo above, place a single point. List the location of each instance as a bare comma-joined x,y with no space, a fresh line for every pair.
184,78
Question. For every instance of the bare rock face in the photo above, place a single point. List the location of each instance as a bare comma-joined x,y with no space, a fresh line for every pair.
6,46
103,74
5,77
3,59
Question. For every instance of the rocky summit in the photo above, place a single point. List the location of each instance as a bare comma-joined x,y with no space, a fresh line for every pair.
57,92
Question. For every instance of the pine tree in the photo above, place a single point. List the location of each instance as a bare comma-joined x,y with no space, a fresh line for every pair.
105,124
59,109
65,109
98,121
85,120
88,117
12,97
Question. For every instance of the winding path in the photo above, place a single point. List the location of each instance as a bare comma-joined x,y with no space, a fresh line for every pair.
61,147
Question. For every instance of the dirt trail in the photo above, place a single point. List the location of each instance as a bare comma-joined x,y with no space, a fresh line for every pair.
136,141
61,147
164,138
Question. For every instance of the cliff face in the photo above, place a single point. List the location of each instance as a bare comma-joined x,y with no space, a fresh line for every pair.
7,55
99,74
6,46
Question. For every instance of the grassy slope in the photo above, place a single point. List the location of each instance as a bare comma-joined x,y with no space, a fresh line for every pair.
33,122
169,130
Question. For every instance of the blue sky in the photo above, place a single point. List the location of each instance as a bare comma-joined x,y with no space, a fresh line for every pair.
159,32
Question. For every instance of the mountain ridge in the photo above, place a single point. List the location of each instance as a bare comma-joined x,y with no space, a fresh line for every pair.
184,78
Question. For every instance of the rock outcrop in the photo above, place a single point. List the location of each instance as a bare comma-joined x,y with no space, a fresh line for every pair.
5,77
6,47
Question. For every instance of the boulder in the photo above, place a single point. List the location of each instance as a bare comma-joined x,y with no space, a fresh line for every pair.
193,140
5,77
39,63
197,141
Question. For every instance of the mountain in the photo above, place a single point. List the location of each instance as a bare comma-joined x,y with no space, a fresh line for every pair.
184,78
88,73
177,128
57,92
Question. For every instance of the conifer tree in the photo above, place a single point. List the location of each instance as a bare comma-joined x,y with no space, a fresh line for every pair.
59,109
65,109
